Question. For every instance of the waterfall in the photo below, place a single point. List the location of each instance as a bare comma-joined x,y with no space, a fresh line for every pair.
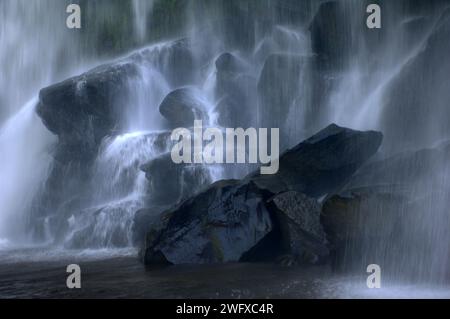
117,192
26,36
385,74
247,63
37,49
141,10
24,143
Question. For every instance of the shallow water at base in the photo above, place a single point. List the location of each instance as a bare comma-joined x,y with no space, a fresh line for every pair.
117,273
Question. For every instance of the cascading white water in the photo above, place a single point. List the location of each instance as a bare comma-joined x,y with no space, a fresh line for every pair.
27,35
374,65
30,44
141,10
117,189
24,145
366,97
37,49
117,186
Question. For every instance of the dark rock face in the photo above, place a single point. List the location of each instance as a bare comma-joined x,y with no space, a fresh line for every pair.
360,223
236,92
175,60
278,87
331,36
84,109
263,217
182,107
390,212
323,163
291,86
298,217
145,219
218,225
170,182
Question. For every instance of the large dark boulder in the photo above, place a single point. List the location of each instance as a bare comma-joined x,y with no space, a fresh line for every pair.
263,217
219,225
84,109
323,163
182,107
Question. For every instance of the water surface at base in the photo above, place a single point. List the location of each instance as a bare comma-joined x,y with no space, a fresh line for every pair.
118,274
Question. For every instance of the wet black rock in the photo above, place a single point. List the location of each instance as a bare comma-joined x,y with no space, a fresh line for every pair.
143,220
84,109
263,216
219,225
298,217
323,163
182,107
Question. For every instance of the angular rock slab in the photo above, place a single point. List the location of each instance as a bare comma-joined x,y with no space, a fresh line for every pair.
298,217
321,164
219,225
